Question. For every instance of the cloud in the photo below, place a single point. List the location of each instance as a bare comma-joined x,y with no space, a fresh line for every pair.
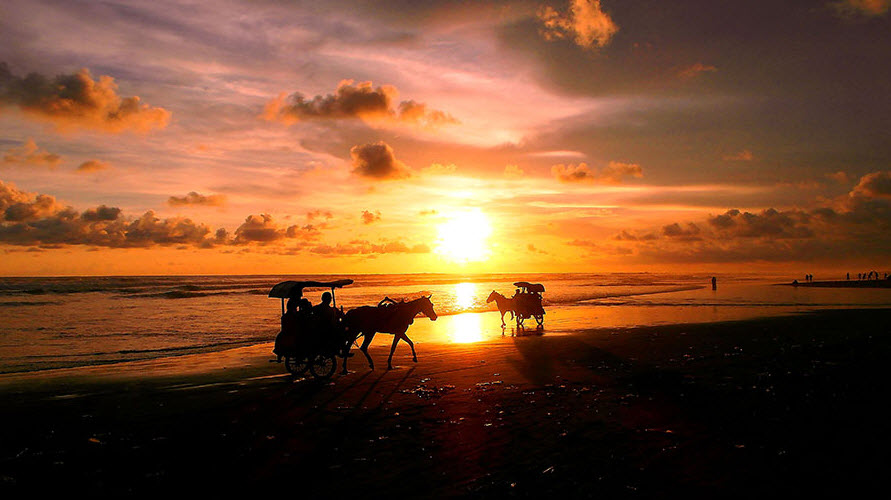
873,185
359,101
744,155
440,169
101,213
91,166
316,214
690,232
769,223
369,217
195,199
695,70
76,101
377,161
613,173
35,219
29,154
855,227
586,23
259,229
869,8
513,172
364,247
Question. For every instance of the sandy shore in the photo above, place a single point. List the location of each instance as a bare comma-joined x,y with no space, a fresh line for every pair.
782,406
844,284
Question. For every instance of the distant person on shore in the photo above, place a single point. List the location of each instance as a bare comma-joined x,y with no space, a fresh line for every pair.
848,276
714,283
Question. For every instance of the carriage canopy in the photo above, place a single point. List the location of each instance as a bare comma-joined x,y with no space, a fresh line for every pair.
289,289
530,287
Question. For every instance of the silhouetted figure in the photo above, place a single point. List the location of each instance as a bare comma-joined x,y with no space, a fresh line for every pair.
505,304
714,283
848,276
794,282
294,322
325,314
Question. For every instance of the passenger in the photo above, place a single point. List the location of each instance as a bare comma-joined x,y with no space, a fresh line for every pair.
325,314
286,340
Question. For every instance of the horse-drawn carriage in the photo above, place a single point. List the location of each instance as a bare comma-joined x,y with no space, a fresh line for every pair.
525,304
313,337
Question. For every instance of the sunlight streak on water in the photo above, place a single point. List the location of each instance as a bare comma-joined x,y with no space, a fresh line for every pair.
467,328
464,295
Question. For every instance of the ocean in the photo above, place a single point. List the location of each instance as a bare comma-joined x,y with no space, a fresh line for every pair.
48,323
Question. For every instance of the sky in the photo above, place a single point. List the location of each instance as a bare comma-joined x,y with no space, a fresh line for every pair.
348,136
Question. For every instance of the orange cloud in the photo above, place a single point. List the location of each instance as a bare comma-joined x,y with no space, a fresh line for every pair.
30,154
90,166
350,101
586,23
695,70
193,198
870,8
613,173
377,161
76,101
370,217
744,155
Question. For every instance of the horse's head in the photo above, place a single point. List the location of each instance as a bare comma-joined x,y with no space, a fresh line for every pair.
427,307
492,296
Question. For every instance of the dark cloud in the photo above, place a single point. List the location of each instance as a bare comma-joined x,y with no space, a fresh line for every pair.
689,232
30,154
867,8
101,213
854,227
769,223
613,173
875,185
193,198
377,161
90,166
78,101
361,100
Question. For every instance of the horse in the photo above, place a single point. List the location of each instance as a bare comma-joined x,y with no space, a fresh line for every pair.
388,317
505,304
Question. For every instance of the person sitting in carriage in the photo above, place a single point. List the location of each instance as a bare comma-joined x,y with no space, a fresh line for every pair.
327,319
295,322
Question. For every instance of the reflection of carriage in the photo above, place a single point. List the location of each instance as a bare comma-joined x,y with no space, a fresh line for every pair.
314,341
527,303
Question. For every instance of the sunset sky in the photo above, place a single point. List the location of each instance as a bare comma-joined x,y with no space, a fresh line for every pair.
212,137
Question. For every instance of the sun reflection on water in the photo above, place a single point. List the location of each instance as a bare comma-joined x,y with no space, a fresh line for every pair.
464,295
467,328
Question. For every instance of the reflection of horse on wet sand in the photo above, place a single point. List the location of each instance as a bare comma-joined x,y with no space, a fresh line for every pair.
505,304
388,316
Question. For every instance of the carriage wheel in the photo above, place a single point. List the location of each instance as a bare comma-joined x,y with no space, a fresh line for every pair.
297,365
323,366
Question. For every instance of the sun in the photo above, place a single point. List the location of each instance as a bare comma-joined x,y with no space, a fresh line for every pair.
464,237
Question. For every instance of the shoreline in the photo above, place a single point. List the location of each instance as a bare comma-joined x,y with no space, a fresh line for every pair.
784,404
842,284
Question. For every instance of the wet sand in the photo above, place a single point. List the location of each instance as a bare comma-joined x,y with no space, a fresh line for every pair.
844,284
787,405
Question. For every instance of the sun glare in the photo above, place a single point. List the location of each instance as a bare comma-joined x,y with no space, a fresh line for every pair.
464,293
464,237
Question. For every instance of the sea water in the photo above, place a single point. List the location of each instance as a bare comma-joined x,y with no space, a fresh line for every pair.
50,323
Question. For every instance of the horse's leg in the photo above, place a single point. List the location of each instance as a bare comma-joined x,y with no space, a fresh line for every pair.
414,357
502,318
364,348
392,350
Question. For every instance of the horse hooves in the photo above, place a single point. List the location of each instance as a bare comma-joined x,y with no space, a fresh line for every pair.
414,359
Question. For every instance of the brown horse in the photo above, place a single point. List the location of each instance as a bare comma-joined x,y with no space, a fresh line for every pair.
505,304
388,317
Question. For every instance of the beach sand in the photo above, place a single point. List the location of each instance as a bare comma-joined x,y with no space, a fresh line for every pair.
788,405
